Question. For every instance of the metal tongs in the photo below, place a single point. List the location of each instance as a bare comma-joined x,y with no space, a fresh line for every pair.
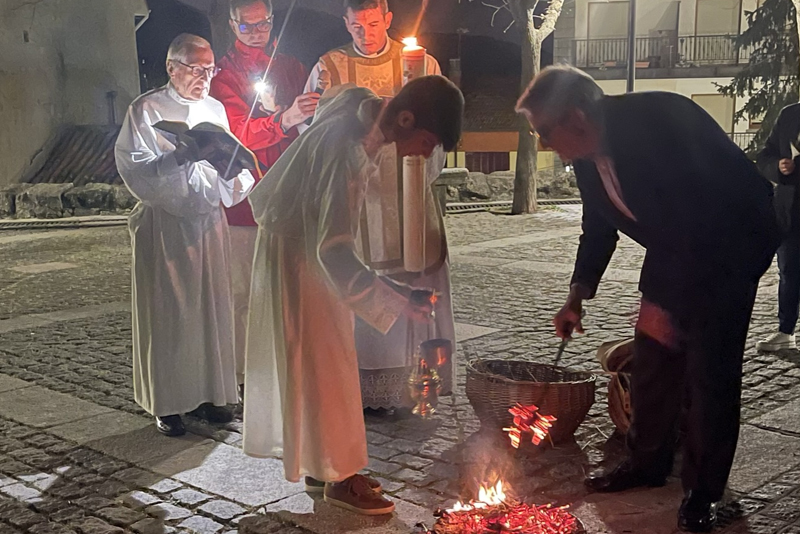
565,342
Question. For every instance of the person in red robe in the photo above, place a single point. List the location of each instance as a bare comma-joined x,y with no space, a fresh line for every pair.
281,106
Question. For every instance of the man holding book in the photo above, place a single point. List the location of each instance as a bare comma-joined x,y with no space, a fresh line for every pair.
182,306
280,108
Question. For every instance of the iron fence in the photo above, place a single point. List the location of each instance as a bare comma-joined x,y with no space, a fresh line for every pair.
659,52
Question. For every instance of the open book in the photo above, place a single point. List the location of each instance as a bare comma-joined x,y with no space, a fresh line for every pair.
216,143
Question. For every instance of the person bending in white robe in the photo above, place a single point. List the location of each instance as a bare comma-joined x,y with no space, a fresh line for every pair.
183,358
301,368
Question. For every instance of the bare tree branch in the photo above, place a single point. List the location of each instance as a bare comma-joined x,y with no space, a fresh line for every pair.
551,17
498,9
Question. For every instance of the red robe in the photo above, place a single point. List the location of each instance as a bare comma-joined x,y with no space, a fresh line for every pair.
241,68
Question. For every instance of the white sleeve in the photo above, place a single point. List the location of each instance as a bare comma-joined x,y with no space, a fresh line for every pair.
311,85
235,191
435,164
313,77
432,66
152,173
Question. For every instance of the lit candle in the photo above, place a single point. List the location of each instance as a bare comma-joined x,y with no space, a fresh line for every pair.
413,174
413,59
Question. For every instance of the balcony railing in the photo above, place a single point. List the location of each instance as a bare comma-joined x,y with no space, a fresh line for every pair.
742,139
659,52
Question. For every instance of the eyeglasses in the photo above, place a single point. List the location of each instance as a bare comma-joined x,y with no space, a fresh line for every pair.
263,26
198,71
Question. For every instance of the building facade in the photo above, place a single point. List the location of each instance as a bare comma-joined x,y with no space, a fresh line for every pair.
682,46
62,62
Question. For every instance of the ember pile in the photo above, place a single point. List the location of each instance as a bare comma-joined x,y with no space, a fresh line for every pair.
494,512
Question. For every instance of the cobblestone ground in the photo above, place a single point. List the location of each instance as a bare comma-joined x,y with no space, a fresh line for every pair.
51,486
510,274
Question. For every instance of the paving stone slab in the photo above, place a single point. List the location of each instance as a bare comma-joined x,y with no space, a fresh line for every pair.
93,525
43,408
139,499
465,332
200,525
786,418
646,511
168,512
9,383
138,444
226,471
752,467
21,492
101,427
321,518
189,497
222,510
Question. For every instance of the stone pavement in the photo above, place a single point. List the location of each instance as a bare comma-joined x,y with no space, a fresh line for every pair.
78,455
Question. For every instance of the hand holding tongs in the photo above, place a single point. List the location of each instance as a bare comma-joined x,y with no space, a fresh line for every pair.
565,342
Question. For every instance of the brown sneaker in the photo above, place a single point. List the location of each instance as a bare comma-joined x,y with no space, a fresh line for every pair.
317,486
356,495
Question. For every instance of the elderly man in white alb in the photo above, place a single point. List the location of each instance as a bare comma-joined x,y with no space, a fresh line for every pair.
183,360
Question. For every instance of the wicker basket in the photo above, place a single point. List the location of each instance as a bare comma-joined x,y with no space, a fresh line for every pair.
616,357
493,386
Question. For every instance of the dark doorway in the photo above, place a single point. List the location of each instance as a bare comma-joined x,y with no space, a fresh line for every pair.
168,19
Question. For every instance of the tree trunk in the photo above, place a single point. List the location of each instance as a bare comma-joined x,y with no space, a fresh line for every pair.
797,16
525,175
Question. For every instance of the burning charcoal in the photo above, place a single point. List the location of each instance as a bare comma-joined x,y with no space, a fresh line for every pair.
527,419
494,512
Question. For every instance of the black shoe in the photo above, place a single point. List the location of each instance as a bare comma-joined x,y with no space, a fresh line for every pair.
623,477
698,513
170,425
212,414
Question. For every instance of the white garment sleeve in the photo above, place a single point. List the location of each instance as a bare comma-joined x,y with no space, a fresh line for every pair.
432,66
435,164
369,295
149,168
235,191
311,85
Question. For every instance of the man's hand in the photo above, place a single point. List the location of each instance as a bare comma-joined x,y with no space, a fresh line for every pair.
191,150
568,319
786,166
303,108
420,305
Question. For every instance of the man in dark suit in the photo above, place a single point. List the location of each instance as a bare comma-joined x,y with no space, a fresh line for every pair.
658,168
777,162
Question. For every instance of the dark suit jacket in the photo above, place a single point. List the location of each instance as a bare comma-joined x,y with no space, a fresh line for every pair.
700,204
778,147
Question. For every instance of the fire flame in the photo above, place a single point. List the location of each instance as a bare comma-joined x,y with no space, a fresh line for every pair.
411,43
494,511
487,496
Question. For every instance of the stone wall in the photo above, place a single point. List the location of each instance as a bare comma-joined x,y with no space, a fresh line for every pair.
500,186
53,201
59,60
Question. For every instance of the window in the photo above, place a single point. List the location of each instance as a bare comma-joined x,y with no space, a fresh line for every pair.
718,17
608,20
720,107
488,162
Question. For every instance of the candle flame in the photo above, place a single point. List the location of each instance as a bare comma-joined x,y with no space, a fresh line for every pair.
411,43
